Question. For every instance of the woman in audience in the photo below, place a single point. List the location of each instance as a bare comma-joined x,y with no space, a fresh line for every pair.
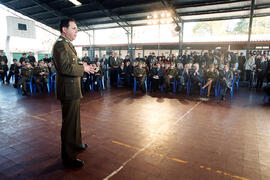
211,77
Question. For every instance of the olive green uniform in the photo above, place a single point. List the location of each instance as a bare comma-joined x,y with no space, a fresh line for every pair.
167,79
140,71
68,91
41,78
26,75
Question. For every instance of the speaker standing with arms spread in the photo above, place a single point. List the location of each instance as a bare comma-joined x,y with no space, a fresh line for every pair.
68,91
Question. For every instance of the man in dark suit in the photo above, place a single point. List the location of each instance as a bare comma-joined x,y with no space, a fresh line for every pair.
114,65
68,91
156,77
31,58
242,61
261,69
196,78
23,58
226,77
12,70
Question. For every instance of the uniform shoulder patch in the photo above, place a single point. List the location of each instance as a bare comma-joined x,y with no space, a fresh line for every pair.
60,39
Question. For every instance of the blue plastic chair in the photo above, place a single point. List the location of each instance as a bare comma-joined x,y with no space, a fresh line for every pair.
188,85
174,83
231,89
135,84
101,83
216,88
48,84
52,81
265,97
119,79
236,82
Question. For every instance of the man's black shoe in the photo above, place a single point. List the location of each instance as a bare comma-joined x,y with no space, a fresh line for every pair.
77,163
82,148
24,93
223,98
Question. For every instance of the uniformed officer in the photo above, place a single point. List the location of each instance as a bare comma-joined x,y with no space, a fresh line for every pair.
47,59
26,75
41,72
68,91
3,70
23,58
3,57
31,58
140,74
170,74
12,70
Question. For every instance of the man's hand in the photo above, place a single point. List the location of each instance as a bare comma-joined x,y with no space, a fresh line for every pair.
88,68
170,76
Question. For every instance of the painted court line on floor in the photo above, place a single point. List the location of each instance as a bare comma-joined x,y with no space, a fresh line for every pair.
151,142
181,161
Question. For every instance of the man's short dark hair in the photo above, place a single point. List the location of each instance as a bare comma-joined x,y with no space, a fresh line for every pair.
65,23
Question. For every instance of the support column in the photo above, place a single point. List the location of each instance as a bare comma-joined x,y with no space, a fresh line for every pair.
250,23
130,41
94,43
158,37
181,35
91,52
7,51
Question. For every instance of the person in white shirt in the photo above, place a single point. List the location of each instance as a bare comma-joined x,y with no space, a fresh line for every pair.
249,68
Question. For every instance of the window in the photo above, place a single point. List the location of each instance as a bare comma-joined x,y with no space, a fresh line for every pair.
22,27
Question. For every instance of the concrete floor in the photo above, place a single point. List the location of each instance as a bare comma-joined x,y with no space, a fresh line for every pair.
137,136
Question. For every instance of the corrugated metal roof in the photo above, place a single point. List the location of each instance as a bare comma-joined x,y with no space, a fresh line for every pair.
99,14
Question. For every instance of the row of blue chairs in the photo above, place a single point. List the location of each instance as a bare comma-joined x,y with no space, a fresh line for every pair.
217,87
33,88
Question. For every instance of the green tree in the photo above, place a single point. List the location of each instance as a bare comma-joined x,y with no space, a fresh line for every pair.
241,27
203,28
